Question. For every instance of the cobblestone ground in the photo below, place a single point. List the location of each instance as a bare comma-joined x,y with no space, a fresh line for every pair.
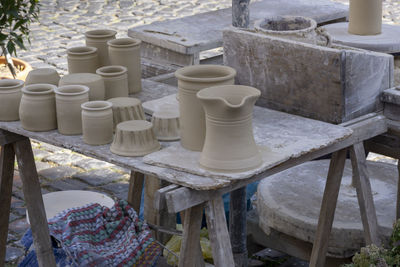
62,24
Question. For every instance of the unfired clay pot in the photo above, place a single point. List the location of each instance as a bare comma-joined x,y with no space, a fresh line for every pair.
134,138
95,83
82,59
43,75
37,110
10,97
99,38
365,17
229,145
166,124
97,122
115,80
191,79
295,28
69,99
126,52
126,109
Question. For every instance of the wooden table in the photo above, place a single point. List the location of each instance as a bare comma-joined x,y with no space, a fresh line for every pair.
307,139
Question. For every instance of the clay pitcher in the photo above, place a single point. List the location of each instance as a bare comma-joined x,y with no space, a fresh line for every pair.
191,79
229,145
365,17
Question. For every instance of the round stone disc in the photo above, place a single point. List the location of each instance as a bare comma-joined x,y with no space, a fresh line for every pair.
290,201
388,41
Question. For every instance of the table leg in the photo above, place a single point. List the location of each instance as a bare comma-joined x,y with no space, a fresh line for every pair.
218,233
190,254
135,190
34,203
398,191
364,194
6,181
328,207
237,226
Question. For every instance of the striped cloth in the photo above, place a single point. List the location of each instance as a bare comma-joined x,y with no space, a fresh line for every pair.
94,235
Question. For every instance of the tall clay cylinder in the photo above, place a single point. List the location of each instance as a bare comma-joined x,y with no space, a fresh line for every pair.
82,59
365,17
115,81
97,122
10,97
192,79
37,110
126,52
69,99
99,38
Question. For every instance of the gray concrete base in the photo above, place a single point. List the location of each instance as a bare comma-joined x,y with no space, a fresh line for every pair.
386,42
289,202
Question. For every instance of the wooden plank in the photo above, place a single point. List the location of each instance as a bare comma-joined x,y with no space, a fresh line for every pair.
159,199
7,137
6,181
238,226
218,233
362,130
328,206
364,194
34,203
190,254
136,182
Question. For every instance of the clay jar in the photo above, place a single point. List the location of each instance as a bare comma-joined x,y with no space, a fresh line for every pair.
365,17
229,145
95,83
82,59
115,81
69,99
126,52
97,122
99,38
43,75
10,97
295,28
191,79
37,110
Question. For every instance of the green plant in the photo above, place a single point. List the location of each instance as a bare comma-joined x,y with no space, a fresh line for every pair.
372,256
15,18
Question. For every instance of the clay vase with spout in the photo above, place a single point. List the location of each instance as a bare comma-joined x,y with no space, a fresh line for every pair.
191,79
229,145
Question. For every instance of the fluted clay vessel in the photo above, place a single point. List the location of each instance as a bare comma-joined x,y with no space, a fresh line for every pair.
126,109
37,110
166,124
134,138
95,83
126,52
365,17
97,122
190,80
99,38
229,145
115,81
10,97
43,75
69,99
82,59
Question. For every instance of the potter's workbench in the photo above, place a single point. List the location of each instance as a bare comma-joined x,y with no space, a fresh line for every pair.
294,139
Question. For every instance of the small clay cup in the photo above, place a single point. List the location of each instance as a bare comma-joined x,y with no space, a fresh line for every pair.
97,122
82,59
115,80
10,97
69,99
43,75
37,110
166,124
126,109
134,138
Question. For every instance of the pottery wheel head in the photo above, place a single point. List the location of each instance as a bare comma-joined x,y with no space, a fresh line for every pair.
125,102
134,125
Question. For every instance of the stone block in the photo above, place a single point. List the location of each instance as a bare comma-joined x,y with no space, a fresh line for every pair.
99,177
58,172
329,84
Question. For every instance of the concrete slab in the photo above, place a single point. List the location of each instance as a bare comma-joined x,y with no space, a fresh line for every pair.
289,202
386,42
